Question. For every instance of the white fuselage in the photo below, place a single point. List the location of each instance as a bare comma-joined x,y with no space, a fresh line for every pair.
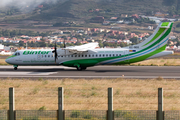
46,57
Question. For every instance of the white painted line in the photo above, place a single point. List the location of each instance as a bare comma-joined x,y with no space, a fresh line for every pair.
35,67
25,73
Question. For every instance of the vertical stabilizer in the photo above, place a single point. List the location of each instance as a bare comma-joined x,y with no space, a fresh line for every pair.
159,37
154,45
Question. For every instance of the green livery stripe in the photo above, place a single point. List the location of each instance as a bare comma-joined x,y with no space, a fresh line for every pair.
141,58
165,24
94,61
11,56
158,41
87,62
161,30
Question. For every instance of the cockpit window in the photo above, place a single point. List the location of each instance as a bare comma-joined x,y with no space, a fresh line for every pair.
17,54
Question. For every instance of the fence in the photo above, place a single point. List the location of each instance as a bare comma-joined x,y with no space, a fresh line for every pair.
108,114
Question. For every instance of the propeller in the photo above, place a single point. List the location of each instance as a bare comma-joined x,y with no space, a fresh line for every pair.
55,52
64,44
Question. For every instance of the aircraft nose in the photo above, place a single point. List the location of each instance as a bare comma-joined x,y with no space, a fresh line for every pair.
7,60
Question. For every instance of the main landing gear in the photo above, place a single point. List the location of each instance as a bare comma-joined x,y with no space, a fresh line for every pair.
79,67
15,67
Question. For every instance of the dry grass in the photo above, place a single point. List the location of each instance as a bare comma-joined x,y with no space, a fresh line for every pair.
158,62
82,94
177,53
2,62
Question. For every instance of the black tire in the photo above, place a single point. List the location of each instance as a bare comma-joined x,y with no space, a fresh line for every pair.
83,68
79,68
15,68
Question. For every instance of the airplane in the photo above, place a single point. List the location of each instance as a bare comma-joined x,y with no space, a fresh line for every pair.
89,54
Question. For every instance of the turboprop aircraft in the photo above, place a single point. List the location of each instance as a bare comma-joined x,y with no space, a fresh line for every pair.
88,55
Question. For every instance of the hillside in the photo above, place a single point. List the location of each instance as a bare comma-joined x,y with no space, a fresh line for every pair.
78,10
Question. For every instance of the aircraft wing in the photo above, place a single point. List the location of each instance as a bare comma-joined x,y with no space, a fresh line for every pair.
82,48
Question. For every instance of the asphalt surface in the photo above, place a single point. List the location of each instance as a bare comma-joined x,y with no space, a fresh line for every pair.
141,72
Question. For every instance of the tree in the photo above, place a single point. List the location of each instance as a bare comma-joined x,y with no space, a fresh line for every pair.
77,43
21,43
122,44
178,43
42,44
101,45
134,40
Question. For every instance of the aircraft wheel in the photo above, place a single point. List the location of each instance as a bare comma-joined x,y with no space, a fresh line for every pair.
15,68
83,68
79,68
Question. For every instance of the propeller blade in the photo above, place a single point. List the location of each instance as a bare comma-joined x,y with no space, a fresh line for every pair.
55,52
64,44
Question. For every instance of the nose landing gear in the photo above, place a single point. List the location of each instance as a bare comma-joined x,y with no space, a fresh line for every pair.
15,67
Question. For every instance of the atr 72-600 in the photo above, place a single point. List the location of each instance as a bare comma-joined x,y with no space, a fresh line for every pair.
88,55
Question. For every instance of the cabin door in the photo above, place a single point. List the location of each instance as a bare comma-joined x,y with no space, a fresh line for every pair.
39,57
126,53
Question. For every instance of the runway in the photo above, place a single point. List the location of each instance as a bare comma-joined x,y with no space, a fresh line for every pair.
141,72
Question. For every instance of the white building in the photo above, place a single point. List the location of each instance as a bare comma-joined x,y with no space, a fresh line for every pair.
127,41
1,47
